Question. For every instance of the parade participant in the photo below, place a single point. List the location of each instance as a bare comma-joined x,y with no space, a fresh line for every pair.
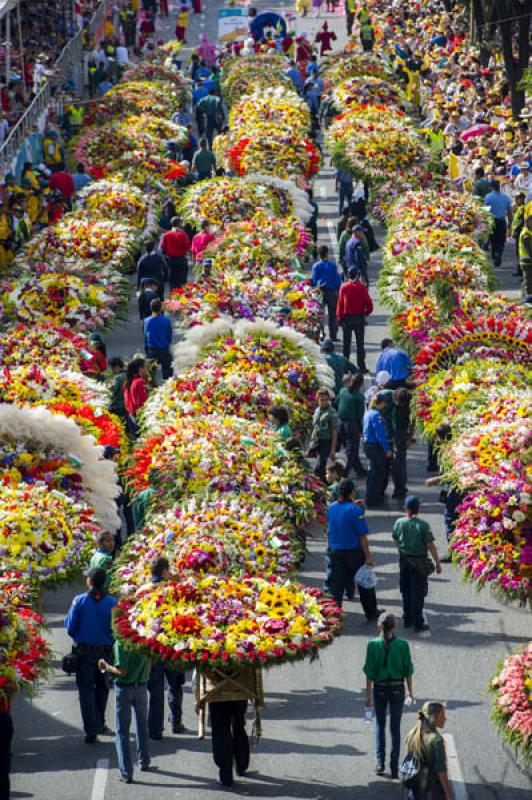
211,108
482,185
149,290
201,240
278,416
350,403
175,245
325,424
388,665
352,310
426,744
415,541
88,623
131,670
207,50
80,178
377,448
175,680
396,362
227,694
116,402
324,38
500,207
102,558
367,35
355,253
326,277
349,549
152,266
312,224
158,338
403,429
339,365
181,24
204,160
136,390
344,187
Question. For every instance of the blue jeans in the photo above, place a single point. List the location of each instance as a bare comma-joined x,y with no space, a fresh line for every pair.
93,689
414,588
376,473
175,681
345,192
392,695
131,696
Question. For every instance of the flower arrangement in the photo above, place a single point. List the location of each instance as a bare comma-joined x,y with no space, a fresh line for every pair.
335,70
122,202
367,89
224,621
512,702
233,199
244,74
36,385
23,346
144,97
45,533
272,109
462,213
231,535
273,152
104,427
26,655
199,456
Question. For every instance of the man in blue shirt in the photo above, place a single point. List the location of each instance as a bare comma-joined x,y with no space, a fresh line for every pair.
158,338
354,255
80,178
396,362
326,277
377,449
500,207
88,623
295,76
348,548
344,187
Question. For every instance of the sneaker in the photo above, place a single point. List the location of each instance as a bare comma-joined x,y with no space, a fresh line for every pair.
379,769
105,731
91,738
126,778
446,559
394,775
178,727
145,767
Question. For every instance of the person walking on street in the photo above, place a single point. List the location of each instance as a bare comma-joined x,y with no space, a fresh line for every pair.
203,162
427,744
340,366
136,390
367,35
396,362
152,266
160,673
102,558
500,207
403,433
388,665
212,109
158,338
349,549
377,448
131,670
116,403
352,310
88,623
350,403
325,424
326,277
175,245
415,541
201,240
344,187
354,255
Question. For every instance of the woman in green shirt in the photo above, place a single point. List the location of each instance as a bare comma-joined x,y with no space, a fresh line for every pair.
388,665
425,742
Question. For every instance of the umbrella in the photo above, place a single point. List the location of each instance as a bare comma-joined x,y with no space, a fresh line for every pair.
477,130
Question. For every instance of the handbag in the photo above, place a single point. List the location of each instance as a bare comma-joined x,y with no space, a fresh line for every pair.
70,662
422,564
409,770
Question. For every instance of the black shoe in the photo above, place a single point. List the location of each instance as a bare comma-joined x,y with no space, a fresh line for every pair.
379,769
226,780
105,731
399,495
145,767
126,778
517,274
91,738
241,770
178,727
362,473
349,596
446,560
407,624
394,775
422,628
156,737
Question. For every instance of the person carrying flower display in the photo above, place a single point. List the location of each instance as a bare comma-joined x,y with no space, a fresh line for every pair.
175,245
325,425
355,255
227,692
160,673
279,417
204,161
414,540
349,549
201,240
131,670
116,402
88,623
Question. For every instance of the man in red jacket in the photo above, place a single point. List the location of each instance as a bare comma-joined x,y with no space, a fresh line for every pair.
62,181
354,305
175,245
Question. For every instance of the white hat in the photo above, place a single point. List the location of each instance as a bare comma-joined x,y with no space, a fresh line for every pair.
382,378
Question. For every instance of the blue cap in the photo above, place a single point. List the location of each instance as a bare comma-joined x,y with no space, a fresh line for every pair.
412,503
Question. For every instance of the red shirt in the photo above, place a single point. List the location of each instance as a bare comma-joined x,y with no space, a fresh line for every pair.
136,395
353,301
62,181
175,244
200,242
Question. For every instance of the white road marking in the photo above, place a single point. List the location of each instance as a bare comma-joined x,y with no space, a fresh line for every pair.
323,191
100,779
454,769
332,234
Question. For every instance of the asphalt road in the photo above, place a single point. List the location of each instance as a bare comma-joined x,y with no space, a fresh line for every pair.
315,744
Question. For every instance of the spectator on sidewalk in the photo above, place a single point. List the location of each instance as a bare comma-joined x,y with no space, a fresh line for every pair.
396,362
326,277
414,540
352,310
340,366
158,338
388,665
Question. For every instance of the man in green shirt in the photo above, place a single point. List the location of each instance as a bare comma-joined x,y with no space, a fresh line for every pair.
325,424
211,107
204,162
351,407
482,185
388,665
339,365
415,540
132,670
102,558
